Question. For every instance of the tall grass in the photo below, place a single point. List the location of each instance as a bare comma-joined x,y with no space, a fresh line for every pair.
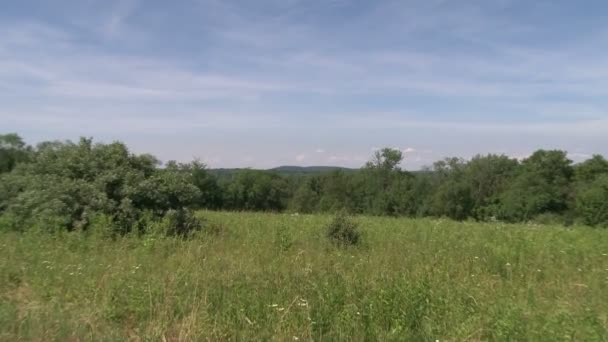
277,277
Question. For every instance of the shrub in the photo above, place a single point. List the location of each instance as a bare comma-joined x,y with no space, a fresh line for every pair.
592,203
66,185
182,222
343,231
283,238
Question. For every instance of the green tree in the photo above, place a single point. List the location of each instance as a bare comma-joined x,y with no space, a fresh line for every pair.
256,190
386,159
543,185
488,177
66,184
591,168
208,185
452,197
340,191
306,197
12,151
592,202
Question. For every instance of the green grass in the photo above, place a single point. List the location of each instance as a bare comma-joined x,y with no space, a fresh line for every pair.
276,277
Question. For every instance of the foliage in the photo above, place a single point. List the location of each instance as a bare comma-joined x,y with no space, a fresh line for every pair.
592,202
60,185
343,231
65,184
256,190
12,152
543,184
306,197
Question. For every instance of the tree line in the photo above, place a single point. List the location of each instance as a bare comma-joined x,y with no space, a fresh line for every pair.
69,183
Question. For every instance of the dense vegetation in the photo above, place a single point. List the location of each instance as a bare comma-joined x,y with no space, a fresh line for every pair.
116,265
73,185
264,277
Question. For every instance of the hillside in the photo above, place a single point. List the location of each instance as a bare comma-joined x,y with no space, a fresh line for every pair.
287,170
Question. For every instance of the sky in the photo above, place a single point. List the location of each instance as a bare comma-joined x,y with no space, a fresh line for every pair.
307,82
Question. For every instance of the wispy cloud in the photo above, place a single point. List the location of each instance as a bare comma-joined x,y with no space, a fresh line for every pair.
271,74
120,12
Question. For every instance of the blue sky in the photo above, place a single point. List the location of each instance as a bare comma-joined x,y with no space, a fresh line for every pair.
306,82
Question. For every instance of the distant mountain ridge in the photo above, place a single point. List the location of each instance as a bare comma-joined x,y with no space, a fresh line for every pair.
289,170
309,169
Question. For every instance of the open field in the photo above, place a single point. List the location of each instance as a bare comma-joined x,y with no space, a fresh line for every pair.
276,277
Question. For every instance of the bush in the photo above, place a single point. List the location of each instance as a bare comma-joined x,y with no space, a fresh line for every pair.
549,219
592,203
182,222
343,231
65,186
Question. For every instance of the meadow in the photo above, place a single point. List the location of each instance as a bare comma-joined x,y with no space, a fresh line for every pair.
258,276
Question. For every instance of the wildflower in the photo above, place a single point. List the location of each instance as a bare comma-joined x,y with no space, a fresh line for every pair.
281,309
295,338
508,264
273,305
476,257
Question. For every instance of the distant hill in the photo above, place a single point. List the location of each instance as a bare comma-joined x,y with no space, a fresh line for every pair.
288,170
309,169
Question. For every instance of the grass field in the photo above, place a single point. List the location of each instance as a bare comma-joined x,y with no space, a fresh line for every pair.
276,277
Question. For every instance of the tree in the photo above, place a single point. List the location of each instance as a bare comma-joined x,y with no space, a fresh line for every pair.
385,187
340,191
306,197
12,151
207,183
256,190
542,185
590,169
387,159
592,202
452,197
66,184
488,176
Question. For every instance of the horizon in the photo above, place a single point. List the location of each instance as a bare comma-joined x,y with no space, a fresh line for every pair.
578,159
295,83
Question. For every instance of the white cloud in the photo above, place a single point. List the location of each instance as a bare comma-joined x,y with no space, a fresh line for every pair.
119,14
258,73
